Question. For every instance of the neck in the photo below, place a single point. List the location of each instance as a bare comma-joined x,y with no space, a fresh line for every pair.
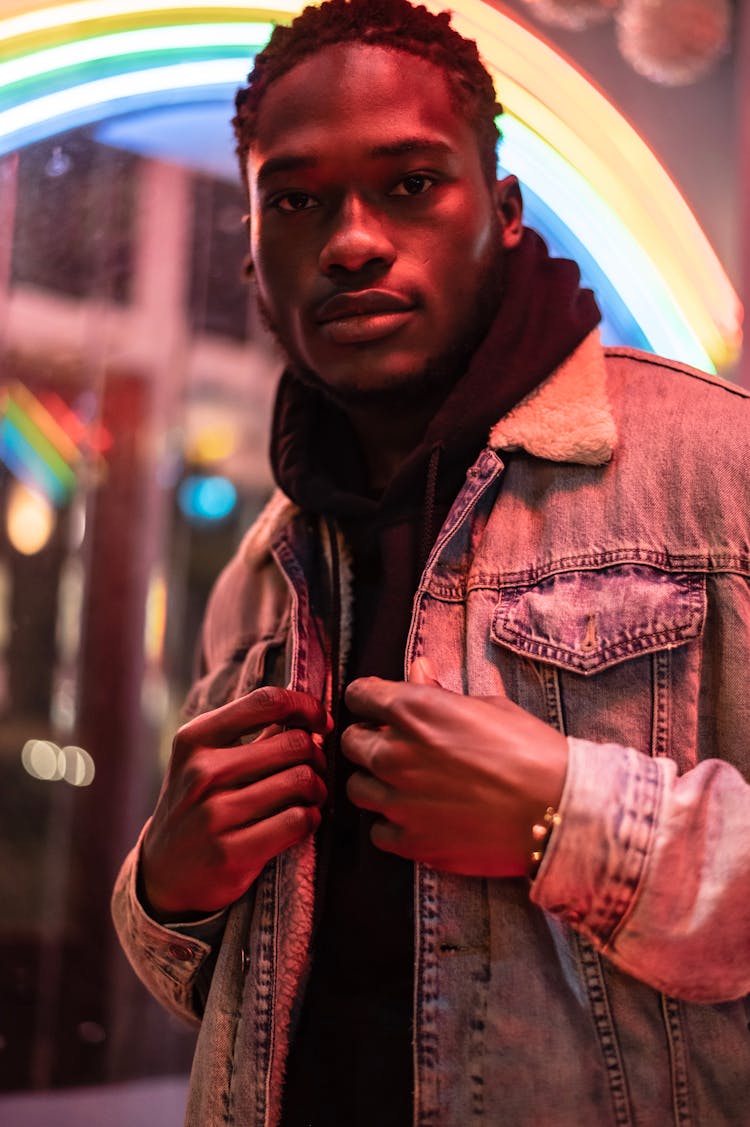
388,437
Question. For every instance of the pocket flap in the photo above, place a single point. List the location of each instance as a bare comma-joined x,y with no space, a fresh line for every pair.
586,621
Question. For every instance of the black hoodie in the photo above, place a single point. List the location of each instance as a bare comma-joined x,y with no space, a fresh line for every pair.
351,1059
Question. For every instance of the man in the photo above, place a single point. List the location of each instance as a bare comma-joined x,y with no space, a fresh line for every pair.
458,831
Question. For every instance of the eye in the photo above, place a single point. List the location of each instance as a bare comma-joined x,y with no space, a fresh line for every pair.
295,201
415,184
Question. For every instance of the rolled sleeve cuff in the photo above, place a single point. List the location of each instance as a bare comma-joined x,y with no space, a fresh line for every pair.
597,856
166,958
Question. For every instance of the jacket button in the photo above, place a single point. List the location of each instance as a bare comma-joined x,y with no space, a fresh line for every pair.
181,952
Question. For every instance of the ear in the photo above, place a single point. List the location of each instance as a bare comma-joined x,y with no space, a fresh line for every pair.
248,265
509,204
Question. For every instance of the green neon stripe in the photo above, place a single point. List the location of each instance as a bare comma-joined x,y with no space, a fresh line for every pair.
40,444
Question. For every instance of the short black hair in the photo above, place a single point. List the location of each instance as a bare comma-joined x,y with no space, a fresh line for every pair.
388,23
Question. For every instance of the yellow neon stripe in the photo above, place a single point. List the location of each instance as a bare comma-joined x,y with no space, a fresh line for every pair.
46,423
63,17
40,444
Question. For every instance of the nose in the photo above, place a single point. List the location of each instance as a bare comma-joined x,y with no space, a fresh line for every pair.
358,239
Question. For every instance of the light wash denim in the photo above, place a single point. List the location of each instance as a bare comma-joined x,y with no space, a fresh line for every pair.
595,569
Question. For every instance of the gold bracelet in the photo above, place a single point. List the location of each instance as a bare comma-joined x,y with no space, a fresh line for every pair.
541,833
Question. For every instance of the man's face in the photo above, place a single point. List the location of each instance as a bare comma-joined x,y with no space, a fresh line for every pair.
376,240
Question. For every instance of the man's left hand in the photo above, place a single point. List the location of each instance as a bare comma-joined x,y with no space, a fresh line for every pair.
457,782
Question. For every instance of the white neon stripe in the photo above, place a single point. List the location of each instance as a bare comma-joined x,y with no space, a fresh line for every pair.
61,15
680,251
632,272
102,91
250,35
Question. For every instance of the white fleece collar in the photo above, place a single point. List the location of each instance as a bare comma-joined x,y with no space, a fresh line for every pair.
567,418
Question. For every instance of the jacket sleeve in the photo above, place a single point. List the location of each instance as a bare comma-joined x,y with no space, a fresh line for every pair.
654,868
173,962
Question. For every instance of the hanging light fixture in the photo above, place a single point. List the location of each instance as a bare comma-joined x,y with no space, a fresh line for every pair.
671,42
573,15
674,42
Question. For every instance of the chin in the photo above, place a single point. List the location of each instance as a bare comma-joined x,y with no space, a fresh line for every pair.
383,379
381,386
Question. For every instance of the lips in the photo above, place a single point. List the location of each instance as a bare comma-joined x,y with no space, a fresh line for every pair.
364,303
363,317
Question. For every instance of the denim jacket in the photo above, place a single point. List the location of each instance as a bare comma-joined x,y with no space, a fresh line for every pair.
594,567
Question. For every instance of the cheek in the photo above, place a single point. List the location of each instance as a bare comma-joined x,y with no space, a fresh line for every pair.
465,242
479,241
275,279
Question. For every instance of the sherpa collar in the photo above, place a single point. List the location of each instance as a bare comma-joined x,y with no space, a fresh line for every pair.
567,418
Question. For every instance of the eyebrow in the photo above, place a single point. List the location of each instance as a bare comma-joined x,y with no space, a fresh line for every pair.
291,162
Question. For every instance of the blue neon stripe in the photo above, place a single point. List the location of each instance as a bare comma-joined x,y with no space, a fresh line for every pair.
24,463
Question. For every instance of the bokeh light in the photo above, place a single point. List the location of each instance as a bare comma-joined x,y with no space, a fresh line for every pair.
204,499
30,519
44,760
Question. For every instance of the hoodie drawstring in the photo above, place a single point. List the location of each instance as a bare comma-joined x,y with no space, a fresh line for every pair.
428,531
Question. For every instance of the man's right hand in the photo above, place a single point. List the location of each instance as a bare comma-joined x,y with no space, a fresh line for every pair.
226,807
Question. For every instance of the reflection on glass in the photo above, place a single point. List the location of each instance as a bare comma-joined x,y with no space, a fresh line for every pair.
135,385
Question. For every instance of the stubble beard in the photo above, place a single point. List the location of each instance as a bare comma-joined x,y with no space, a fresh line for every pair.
435,378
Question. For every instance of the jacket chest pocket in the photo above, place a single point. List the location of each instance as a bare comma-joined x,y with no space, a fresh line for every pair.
616,653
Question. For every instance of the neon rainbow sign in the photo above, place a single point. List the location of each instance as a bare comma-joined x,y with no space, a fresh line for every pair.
582,166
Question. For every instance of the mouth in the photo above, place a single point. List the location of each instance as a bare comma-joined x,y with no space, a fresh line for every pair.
368,315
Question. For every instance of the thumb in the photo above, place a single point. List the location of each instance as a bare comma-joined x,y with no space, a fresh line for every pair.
423,672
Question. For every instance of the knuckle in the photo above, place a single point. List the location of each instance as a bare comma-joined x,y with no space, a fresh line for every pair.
266,696
378,758
183,739
303,778
196,775
208,824
387,801
299,821
297,742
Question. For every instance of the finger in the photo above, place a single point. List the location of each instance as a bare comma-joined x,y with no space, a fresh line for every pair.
258,843
368,793
212,769
361,743
298,786
423,672
268,705
264,732
374,699
390,838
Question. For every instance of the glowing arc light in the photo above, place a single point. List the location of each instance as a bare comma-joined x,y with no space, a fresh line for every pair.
88,11
156,40
665,265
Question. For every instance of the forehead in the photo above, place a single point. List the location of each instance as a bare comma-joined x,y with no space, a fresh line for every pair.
353,94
